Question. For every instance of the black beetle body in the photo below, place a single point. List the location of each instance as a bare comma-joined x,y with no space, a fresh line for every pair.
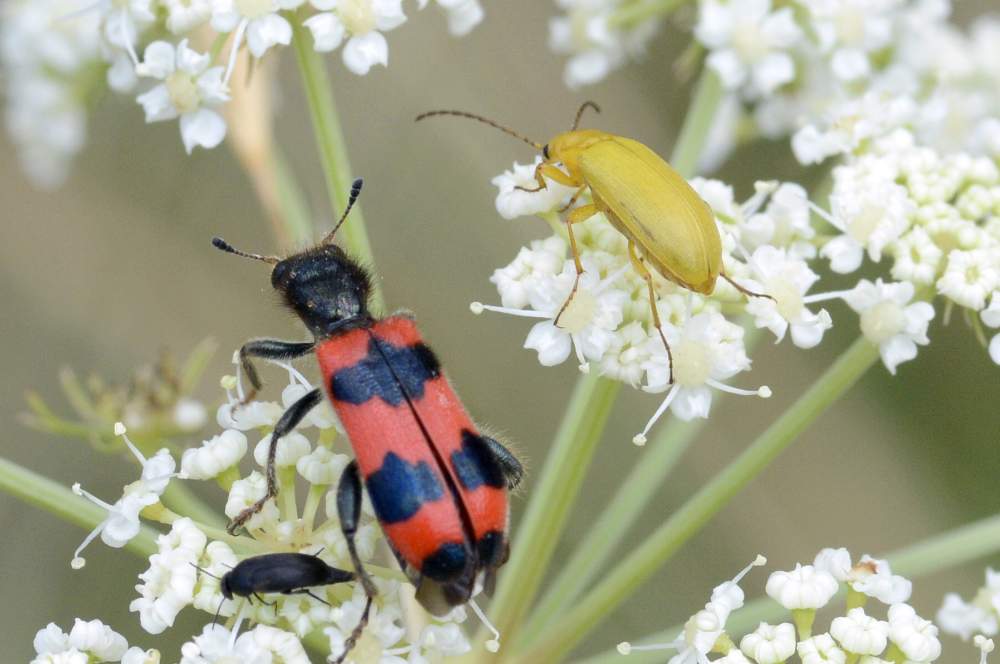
285,573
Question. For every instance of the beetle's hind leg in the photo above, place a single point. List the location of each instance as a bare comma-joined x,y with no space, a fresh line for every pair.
286,424
745,291
266,349
349,513
647,276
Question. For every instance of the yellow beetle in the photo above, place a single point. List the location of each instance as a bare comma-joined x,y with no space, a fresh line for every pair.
663,218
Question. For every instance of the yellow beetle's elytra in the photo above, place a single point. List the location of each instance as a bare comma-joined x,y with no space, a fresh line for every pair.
666,222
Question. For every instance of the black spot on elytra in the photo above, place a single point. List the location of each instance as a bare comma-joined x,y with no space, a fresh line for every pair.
492,549
475,465
398,488
447,563
388,372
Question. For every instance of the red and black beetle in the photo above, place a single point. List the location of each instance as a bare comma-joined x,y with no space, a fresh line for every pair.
439,487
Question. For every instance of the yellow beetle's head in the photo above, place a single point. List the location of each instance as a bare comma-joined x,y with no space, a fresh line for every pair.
569,145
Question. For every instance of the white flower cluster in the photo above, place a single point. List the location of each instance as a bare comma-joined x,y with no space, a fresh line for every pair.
980,616
596,43
855,636
834,71
937,218
57,55
191,558
88,641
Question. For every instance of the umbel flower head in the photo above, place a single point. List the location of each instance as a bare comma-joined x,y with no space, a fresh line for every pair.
855,634
50,50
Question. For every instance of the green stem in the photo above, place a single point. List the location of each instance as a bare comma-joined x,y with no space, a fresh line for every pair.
634,569
295,211
56,499
697,123
592,553
551,499
181,499
332,148
640,11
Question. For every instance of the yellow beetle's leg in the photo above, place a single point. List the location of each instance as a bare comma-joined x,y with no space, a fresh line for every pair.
552,172
644,272
572,200
743,290
581,213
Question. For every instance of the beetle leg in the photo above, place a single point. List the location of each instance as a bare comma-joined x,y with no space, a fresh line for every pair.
288,421
743,290
349,512
572,200
306,591
647,276
581,213
261,600
552,172
513,471
267,349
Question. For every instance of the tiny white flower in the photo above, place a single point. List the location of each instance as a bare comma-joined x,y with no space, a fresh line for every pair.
870,210
786,279
136,655
90,638
626,357
916,257
985,647
321,466
284,646
169,583
704,628
512,202
784,222
215,561
991,318
191,89
321,416
915,637
291,447
463,15
970,277
518,283
183,16
256,414
189,414
888,321
122,522
805,587
965,619
706,350
860,633
586,322
770,644
246,492
748,43
874,578
215,456
820,649
259,20
364,21
837,562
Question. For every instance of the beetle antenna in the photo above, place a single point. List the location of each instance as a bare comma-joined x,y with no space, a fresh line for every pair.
473,116
352,198
222,245
205,572
218,611
579,113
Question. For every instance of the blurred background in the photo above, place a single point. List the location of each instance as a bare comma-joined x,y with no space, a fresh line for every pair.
104,273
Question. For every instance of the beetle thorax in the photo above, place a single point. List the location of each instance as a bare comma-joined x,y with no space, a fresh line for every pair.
567,146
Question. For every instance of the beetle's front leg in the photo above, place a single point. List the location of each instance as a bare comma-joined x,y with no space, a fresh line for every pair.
267,349
288,421
552,172
581,213
349,513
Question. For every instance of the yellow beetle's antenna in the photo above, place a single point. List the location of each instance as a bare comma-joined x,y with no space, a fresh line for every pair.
584,106
221,244
351,200
473,116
